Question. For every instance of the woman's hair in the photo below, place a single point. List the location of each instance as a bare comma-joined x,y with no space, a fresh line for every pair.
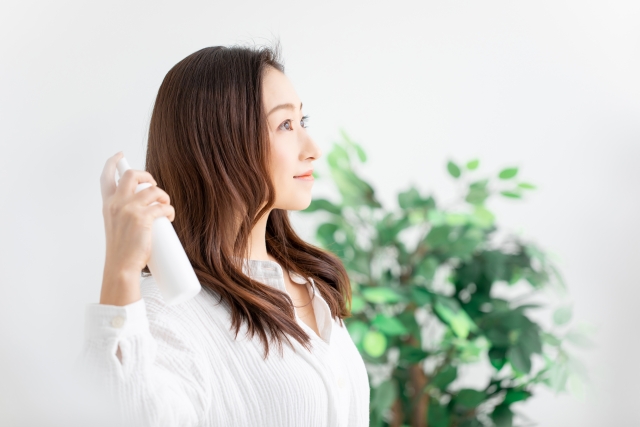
208,149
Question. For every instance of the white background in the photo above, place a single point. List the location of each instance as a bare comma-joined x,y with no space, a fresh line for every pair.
550,86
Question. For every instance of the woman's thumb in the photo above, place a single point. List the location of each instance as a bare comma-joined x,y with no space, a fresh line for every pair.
107,178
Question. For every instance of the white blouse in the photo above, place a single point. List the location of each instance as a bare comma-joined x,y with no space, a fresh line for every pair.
182,366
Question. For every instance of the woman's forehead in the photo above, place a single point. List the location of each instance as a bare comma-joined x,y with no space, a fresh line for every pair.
278,90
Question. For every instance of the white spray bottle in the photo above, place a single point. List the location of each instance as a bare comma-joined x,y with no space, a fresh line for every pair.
168,262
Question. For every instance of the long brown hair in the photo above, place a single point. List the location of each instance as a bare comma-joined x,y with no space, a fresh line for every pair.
208,148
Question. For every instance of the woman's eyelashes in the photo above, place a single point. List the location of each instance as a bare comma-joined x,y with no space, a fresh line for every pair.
303,123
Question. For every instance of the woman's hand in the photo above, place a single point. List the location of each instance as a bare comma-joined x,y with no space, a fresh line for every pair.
128,221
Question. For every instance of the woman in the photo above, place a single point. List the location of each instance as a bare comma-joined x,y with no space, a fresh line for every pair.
229,143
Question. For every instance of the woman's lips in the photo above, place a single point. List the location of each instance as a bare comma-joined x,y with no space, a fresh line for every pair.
307,176
304,177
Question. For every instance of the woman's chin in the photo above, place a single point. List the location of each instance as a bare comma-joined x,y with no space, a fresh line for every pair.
298,205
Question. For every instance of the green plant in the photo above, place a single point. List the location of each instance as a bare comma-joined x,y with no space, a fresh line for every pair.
424,304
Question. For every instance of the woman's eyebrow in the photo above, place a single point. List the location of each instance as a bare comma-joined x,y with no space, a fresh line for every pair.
281,106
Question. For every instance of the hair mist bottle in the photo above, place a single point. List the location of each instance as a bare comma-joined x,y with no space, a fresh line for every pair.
168,263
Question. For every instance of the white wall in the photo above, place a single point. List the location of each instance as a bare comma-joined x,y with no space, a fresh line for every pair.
550,86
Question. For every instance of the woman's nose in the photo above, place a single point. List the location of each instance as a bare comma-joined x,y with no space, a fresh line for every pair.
313,149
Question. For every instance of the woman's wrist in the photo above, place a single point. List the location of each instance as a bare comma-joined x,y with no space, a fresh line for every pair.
119,287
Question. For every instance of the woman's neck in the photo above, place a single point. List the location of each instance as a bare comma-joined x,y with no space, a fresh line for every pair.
257,240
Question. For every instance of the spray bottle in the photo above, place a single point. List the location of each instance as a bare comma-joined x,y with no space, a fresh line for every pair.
168,263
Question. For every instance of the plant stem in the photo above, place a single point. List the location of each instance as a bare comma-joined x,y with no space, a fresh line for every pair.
398,414
421,400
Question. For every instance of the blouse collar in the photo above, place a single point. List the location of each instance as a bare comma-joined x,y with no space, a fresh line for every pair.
274,275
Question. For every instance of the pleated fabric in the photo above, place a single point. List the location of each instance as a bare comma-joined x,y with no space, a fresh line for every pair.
182,365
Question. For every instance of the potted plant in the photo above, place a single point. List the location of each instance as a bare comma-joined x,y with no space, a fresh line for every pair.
424,305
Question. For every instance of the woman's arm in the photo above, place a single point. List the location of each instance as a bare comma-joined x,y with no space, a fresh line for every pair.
156,376
135,348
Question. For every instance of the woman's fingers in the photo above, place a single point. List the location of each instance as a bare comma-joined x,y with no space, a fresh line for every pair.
128,181
107,178
131,179
162,209
152,194
157,200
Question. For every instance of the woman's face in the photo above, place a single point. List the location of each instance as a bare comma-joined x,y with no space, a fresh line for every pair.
292,149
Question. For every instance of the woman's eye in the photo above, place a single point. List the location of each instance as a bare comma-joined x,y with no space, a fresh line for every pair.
303,123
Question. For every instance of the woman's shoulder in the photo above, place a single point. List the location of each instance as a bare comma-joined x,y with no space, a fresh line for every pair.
204,307
200,320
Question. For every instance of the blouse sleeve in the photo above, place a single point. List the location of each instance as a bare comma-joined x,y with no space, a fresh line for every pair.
160,378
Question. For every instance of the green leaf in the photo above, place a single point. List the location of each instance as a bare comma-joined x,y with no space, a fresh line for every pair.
380,295
461,324
530,340
411,198
562,316
325,233
374,343
357,330
527,186
407,199
436,217
557,376
444,377
389,325
322,204
478,192
524,307
388,228
513,396
449,311
383,396
502,416
550,339
412,355
519,359
438,236
464,246
420,296
408,319
511,194
353,189
508,173
470,398
497,357
359,151
416,216
438,415
427,268
357,304
338,158
469,351
498,337
361,154
473,164
455,219
454,170
482,217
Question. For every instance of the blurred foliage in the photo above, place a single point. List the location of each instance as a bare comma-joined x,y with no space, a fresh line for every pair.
422,277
